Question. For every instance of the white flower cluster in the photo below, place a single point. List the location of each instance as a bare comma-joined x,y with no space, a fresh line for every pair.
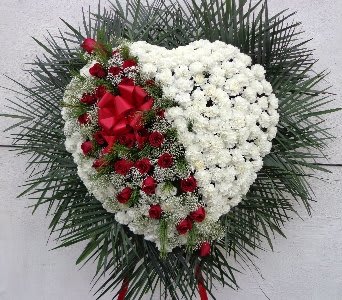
226,118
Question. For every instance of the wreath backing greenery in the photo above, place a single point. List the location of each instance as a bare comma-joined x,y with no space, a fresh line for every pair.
274,42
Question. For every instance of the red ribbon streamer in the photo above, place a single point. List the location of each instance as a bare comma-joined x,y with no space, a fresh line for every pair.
201,289
124,289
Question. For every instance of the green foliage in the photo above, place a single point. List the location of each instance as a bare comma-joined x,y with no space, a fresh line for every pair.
274,42
181,165
134,198
149,116
190,126
125,52
76,109
120,150
171,133
155,91
163,238
192,239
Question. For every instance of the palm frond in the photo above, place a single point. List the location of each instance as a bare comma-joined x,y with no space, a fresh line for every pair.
275,42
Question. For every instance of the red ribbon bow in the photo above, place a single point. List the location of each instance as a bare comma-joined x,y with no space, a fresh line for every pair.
122,113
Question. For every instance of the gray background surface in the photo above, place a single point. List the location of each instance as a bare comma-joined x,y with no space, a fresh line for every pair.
306,265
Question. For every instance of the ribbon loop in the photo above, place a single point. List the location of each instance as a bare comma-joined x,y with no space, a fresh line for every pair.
106,100
122,107
126,91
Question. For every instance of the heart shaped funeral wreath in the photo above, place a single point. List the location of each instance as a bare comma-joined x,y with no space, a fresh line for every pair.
186,135
170,140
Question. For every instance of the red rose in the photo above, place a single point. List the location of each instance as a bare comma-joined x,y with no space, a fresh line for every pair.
127,81
155,211
189,184
165,160
124,195
114,71
129,63
100,91
204,249
89,45
87,147
156,139
160,113
99,163
98,137
88,99
141,140
198,215
141,137
149,185
123,166
143,165
127,140
184,226
98,71
84,119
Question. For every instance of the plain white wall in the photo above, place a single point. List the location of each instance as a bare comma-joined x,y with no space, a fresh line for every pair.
307,265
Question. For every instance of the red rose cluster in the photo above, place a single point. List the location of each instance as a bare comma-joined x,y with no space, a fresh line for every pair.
89,99
119,114
98,71
120,124
118,70
186,224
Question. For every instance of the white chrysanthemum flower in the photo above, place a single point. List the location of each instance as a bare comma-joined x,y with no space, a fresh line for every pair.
196,67
258,71
149,69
